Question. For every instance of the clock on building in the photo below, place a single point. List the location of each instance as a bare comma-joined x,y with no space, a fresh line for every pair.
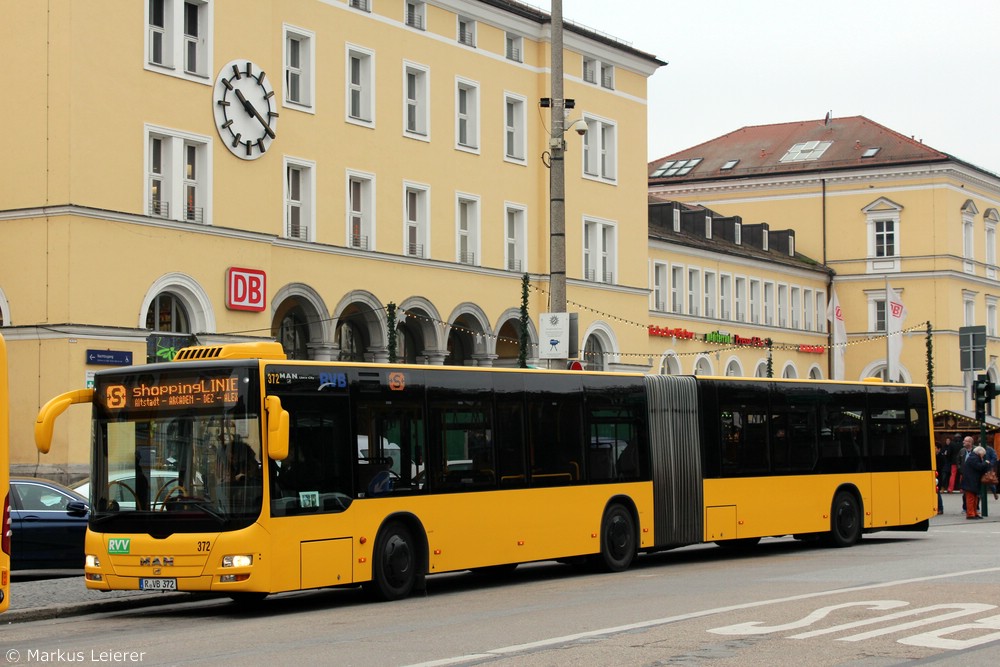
244,106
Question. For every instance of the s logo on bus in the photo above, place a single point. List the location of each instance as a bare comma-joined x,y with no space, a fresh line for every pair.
397,381
115,396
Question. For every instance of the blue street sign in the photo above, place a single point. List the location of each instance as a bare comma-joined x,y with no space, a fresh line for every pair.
109,358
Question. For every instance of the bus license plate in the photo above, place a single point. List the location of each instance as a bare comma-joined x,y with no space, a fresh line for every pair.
158,584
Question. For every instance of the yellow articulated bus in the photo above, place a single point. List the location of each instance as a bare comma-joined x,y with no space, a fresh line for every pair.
5,525
235,471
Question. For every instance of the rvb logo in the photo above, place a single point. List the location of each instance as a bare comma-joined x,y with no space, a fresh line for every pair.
246,289
119,545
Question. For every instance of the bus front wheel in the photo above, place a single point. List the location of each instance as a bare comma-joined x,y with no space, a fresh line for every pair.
617,539
845,520
394,563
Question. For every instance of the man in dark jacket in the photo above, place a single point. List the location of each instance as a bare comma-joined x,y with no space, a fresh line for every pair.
953,449
973,468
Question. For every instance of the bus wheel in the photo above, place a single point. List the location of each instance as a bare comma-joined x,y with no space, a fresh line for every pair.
617,539
394,563
845,520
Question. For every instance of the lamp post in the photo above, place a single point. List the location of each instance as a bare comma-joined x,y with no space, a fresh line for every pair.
557,171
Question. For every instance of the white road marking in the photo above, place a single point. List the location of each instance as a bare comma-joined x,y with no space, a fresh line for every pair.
565,639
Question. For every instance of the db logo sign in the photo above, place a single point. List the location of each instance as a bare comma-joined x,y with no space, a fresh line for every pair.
246,289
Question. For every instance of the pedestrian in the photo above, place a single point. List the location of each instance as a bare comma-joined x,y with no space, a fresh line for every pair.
972,469
954,449
963,454
991,458
943,466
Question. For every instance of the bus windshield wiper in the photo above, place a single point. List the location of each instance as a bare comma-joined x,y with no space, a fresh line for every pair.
203,505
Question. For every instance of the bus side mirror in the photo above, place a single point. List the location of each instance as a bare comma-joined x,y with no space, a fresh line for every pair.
277,429
46,419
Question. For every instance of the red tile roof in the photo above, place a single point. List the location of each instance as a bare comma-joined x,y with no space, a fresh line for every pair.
759,150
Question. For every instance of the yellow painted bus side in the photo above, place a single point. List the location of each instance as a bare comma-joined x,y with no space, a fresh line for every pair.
5,526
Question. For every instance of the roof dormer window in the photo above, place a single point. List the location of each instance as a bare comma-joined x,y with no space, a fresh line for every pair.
806,151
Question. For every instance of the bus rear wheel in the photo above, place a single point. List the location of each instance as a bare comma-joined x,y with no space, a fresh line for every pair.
617,539
394,563
845,520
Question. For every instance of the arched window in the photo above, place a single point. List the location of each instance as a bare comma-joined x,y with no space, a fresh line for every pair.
167,313
406,345
593,354
352,345
733,369
671,365
761,370
293,333
703,367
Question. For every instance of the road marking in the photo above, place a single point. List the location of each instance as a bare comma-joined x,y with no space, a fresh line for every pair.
965,609
641,625
936,638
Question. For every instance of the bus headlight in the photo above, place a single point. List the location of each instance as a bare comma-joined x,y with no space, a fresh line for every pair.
240,560
93,561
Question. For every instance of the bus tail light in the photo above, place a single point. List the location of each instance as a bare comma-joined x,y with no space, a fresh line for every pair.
5,526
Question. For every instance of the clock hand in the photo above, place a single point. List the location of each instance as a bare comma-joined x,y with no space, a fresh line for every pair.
253,112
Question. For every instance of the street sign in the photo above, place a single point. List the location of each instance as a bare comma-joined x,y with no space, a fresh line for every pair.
972,348
109,358
553,336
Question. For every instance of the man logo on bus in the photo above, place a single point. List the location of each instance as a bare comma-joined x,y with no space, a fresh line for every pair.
114,396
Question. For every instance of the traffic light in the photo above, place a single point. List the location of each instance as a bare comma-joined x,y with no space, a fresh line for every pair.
983,391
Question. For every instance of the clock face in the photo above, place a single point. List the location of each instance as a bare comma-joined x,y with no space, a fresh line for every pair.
245,109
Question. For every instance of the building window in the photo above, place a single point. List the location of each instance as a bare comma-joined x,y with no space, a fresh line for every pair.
363,5
820,311
415,101
515,143
299,67
754,301
677,289
968,239
991,244
740,300
299,188
709,294
178,38
991,316
467,115
415,15
782,305
466,31
600,149
807,310
796,307
514,47
659,286
599,73
885,238
769,304
178,175
694,292
515,234
467,229
725,297
415,232
360,211
360,86
969,303
599,251
806,151
167,313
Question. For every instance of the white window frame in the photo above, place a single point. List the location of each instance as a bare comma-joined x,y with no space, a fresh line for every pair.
415,14
416,220
514,47
600,149
782,306
418,101
991,219
677,289
515,237
465,31
361,212
795,307
515,141
467,120
739,299
600,243
305,204
821,322
467,238
709,294
878,215
174,43
991,316
173,179
808,321
694,291
304,72
753,310
362,89
362,5
969,307
768,303
725,296
660,287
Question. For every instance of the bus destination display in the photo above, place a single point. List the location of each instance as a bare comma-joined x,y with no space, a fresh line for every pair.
172,393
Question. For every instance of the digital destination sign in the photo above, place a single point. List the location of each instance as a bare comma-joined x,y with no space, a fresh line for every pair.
171,393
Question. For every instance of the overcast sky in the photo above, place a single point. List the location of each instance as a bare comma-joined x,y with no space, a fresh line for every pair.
929,69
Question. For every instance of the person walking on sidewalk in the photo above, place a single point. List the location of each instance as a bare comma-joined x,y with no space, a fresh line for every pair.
973,468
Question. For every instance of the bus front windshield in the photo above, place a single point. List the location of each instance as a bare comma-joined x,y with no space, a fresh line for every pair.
176,451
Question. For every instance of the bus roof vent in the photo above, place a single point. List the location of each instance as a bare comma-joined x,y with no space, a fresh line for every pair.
269,350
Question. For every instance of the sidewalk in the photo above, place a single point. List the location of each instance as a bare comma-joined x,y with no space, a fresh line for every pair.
39,595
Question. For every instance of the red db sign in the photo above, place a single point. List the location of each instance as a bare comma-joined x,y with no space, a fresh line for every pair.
246,289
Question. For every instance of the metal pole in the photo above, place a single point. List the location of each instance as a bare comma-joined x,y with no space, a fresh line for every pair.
557,173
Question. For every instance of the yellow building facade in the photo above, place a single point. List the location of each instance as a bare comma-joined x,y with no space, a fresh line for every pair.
213,170
884,212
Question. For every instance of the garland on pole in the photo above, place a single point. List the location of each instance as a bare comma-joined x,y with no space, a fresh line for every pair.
522,352
929,339
770,358
390,314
